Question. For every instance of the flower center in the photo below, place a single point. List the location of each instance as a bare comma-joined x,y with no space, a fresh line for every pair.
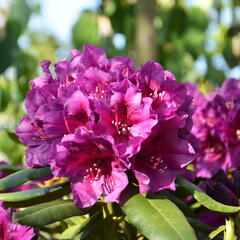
215,152
157,95
229,104
238,134
99,93
122,128
126,72
94,173
158,164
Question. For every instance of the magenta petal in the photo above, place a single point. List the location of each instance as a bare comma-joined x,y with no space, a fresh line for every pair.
13,231
121,67
86,193
19,232
54,124
77,105
94,57
178,153
143,181
143,129
62,69
75,52
95,80
152,74
206,168
40,155
160,181
26,131
154,180
33,101
119,182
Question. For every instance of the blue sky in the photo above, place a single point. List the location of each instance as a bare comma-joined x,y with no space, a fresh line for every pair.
58,16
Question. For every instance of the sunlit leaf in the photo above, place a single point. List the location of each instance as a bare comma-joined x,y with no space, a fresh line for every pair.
214,233
157,218
46,213
20,177
70,232
204,199
30,194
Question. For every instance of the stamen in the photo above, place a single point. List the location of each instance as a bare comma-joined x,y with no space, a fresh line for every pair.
121,127
238,133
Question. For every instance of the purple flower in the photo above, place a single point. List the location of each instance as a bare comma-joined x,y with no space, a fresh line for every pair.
13,231
216,123
93,164
100,117
128,117
170,146
162,157
167,94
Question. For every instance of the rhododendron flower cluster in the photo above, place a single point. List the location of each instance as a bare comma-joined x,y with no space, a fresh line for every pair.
98,119
13,231
216,123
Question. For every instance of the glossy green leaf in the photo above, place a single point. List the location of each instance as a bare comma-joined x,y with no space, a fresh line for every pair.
76,220
20,177
9,168
46,213
96,217
214,233
229,233
157,218
30,194
96,229
204,199
52,195
70,232
180,203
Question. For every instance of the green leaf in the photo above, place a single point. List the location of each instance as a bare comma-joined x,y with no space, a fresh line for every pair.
20,177
97,229
13,137
180,203
76,220
50,196
30,194
70,232
96,217
157,218
214,233
4,97
47,213
82,34
9,168
204,199
229,233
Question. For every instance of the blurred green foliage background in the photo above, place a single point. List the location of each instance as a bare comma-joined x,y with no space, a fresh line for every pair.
198,41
